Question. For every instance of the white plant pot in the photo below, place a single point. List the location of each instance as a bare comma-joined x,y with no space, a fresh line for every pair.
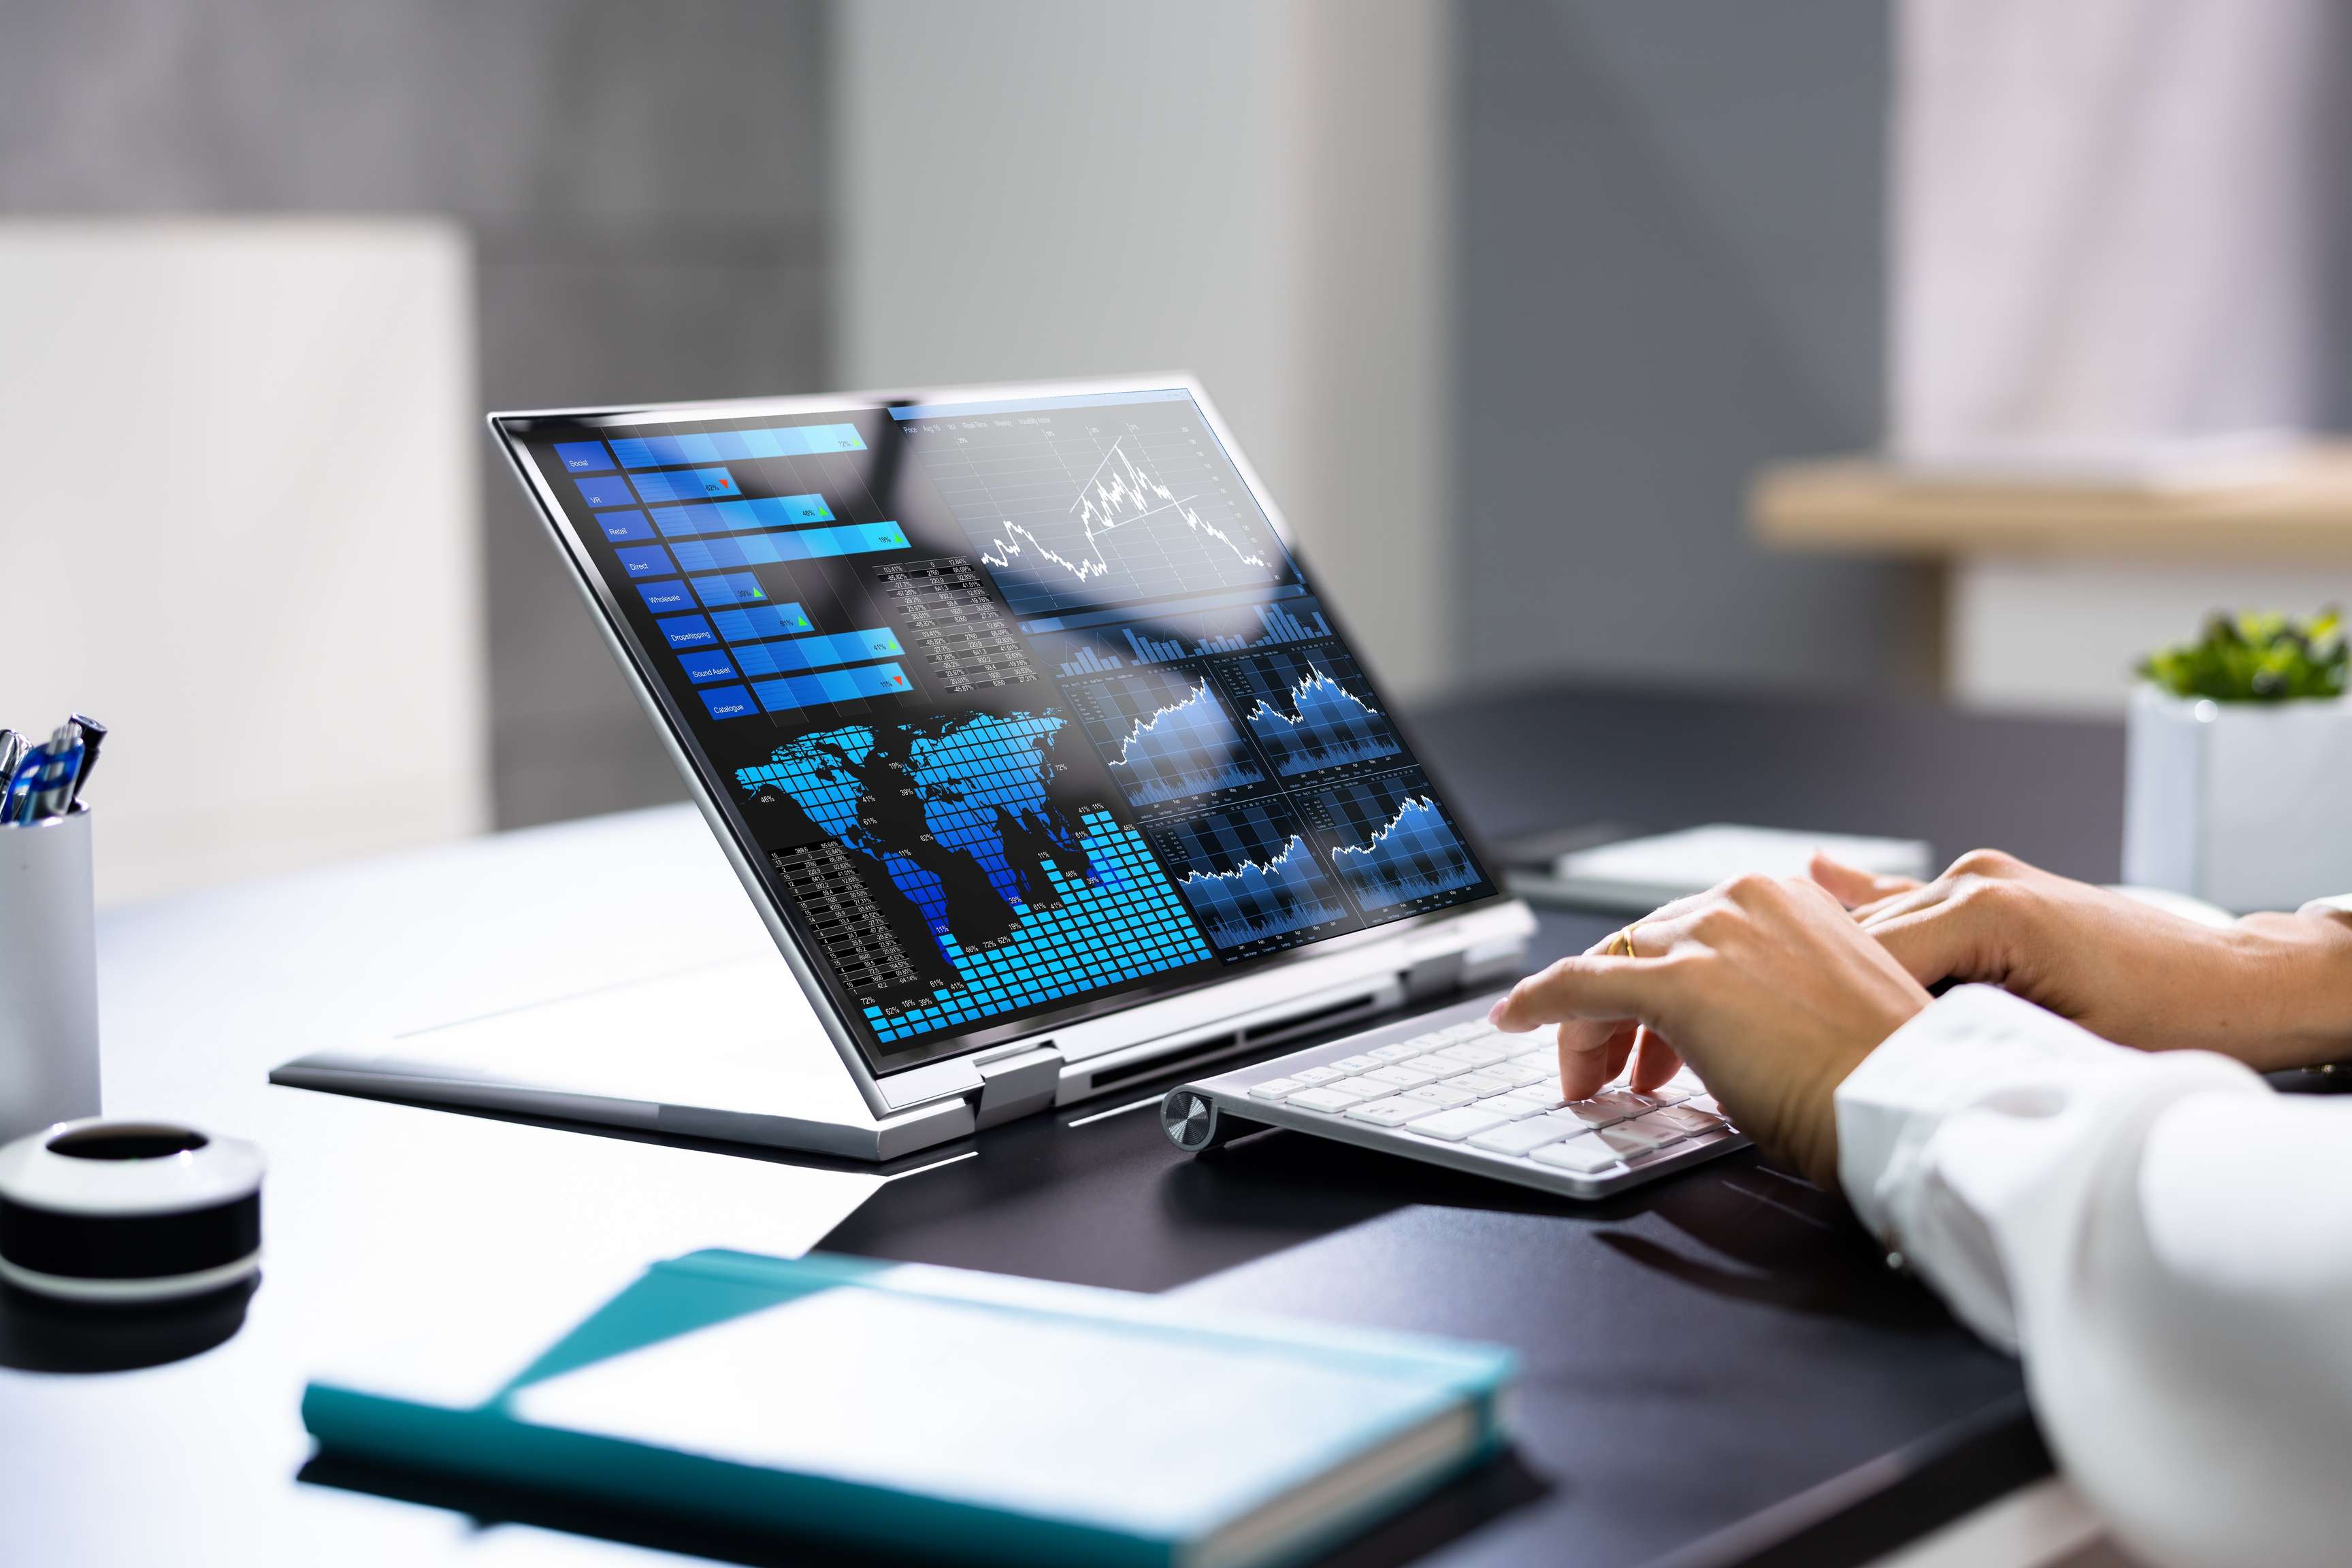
2248,805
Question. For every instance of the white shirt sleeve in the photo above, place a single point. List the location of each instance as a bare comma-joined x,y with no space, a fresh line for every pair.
2164,1241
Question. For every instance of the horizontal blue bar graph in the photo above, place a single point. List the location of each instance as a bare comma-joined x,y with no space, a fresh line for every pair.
686,484
625,527
830,685
730,588
758,621
813,653
727,701
688,631
809,544
605,489
584,456
646,561
735,516
707,664
667,598
719,446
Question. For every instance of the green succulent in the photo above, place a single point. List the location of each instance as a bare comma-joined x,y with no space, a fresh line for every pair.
2251,657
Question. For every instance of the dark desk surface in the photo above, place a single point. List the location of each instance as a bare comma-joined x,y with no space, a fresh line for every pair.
1719,1368
1714,1364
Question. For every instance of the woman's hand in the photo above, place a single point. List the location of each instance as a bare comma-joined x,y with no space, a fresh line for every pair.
2274,991
1768,987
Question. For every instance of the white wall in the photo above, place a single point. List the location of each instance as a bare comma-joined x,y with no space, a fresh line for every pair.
2064,636
240,527
1253,192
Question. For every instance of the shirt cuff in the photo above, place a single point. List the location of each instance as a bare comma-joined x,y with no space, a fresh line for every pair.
1982,1110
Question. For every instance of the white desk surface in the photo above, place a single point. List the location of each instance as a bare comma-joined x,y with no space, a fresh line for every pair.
376,1216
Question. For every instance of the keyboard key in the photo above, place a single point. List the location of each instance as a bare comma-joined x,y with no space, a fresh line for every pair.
1690,1118
1635,1137
1402,1076
1481,1082
1311,1076
1395,1111
1440,1094
1331,1097
1542,1096
1469,1029
1709,1104
1592,1113
1398,1052
1454,1125
1277,1087
1370,1087
1585,1154
1356,1063
1470,1054
1519,1075
1623,1100
1517,1137
1511,1106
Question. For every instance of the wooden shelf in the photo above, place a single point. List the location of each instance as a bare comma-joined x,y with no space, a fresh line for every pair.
2299,508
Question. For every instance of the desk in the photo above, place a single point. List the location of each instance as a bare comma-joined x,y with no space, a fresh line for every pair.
1702,1350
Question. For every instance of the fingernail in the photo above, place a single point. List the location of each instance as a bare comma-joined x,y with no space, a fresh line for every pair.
1494,1013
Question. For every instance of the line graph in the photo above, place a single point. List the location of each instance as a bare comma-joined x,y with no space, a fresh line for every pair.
1250,876
1076,509
1310,709
1393,844
1164,735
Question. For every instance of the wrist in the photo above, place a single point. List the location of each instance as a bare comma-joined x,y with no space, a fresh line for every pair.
2296,976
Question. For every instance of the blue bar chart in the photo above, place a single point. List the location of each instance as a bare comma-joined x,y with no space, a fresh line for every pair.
771,549
814,653
719,445
695,518
685,484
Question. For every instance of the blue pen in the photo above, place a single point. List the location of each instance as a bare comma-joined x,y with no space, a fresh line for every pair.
55,788
16,803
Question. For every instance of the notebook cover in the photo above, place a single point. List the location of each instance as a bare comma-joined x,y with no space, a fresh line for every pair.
704,1289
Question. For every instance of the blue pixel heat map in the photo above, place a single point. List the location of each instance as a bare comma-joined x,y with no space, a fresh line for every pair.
1025,904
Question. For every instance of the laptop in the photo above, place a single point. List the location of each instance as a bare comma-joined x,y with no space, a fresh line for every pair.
1049,769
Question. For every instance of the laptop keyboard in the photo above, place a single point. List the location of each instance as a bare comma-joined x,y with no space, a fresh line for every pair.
1472,1087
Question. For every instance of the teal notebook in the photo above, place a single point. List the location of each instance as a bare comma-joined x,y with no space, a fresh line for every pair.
905,1407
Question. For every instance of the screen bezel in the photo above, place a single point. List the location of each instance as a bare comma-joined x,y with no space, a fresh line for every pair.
513,429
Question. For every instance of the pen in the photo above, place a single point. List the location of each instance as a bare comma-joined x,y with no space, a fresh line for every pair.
54,791
12,751
16,799
93,736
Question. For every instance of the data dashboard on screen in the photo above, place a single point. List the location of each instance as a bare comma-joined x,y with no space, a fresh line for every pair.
1025,705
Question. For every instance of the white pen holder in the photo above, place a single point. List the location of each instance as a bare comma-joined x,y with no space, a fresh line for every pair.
48,974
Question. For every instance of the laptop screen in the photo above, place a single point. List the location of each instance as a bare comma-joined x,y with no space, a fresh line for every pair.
1024,706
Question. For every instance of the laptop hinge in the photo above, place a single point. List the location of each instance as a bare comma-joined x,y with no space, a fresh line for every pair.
1017,1084
1439,974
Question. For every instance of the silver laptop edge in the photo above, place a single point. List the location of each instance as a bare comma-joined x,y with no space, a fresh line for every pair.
1329,984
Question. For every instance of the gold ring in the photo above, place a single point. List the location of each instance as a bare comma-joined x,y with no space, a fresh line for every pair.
1621,944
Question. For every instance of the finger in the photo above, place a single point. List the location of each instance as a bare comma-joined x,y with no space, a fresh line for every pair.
1589,1058
1655,1062
1943,942
1585,987
1853,887
1925,895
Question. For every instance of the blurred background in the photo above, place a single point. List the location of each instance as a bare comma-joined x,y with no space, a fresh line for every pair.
1948,350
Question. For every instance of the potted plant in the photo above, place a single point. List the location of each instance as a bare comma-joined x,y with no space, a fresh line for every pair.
2238,780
